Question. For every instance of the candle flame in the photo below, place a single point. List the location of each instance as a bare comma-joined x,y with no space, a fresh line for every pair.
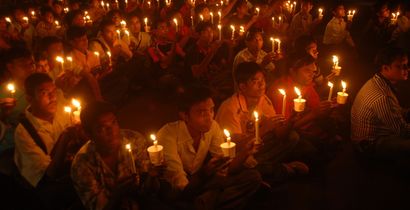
109,54
242,29
25,18
57,23
320,10
201,16
67,109
335,59
330,84
257,10
118,31
7,19
146,21
219,13
256,115
282,91
127,32
153,137
297,91
11,87
219,26
175,21
60,59
233,27
128,147
123,23
344,85
76,103
211,14
33,13
69,58
227,134
96,53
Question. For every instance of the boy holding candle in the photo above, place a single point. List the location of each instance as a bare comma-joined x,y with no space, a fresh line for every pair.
105,176
314,122
237,115
380,126
139,40
336,32
194,159
43,144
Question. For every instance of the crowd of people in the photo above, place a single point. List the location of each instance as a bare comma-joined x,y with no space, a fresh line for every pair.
248,73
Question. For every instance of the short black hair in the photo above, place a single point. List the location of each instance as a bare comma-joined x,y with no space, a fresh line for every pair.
303,42
75,32
245,71
92,111
192,95
105,24
299,59
388,55
16,53
251,34
33,81
71,15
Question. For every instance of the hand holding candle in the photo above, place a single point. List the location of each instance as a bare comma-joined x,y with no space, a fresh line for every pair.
228,147
336,68
299,103
155,152
12,89
256,115
61,61
342,96
76,114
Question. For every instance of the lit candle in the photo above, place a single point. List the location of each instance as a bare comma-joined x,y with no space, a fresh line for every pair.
283,92
126,3
342,96
8,19
127,34
146,25
66,10
329,98
70,59
233,32
102,4
192,21
201,17
257,11
119,34
241,30
149,4
33,14
299,103
61,61
97,54
273,44
350,15
108,6
336,68
256,115
228,147
212,17
123,24
57,24
129,149
155,152
220,31
220,16
176,24
278,41
25,19
12,89
273,22
109,58
335,61
280,19
76,103
68,110
320,13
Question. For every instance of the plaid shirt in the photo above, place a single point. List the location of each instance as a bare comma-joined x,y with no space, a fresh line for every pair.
95,181
376,112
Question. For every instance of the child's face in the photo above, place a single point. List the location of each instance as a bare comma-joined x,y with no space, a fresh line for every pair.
162,30
49,17
340,11
256,43
306,7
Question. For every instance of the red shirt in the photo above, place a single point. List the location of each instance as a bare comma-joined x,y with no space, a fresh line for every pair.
308,92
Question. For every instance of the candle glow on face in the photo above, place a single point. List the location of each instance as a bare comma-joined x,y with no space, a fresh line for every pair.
11,88
297,91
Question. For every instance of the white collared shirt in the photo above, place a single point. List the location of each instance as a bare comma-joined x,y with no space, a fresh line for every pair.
180,156
30,159
336,32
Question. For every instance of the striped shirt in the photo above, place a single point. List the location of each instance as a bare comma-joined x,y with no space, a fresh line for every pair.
376,112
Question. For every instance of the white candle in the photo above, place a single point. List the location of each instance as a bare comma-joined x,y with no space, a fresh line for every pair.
233,32
212,17
256,115
133,168
220,32
146,24
109,58
299,103
176,24
283,92
273,44
273,22
12,89
201,17
127,34
280,19
70,59
155,152
228,147
76,103
257,11
61,61
335,61
123,24
278,41
8,19
68,110
220,16
320,13
329,98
